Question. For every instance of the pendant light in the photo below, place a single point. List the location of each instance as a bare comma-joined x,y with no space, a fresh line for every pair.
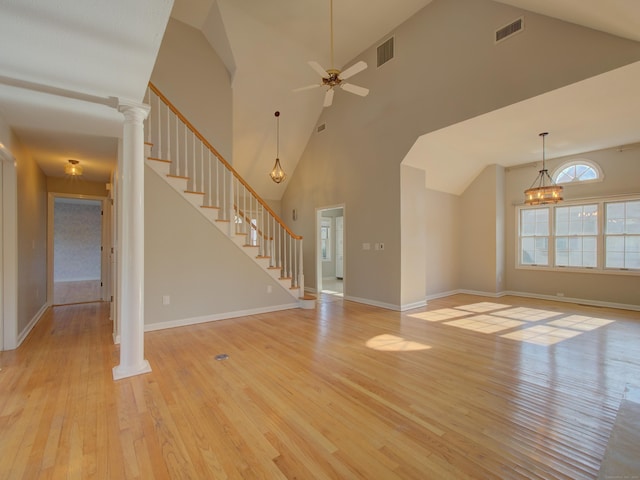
546,190
277,174
73,168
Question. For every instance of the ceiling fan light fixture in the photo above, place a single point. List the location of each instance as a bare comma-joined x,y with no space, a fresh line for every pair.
277,173
73,168
543,190
332,77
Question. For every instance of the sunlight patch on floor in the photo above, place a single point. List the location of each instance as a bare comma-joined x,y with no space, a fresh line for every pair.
542,335
580,322
553,327
393,343
439,315
527,314
482,307
485,323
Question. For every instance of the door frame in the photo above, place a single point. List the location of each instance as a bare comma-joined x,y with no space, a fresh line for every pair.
105,238
319,211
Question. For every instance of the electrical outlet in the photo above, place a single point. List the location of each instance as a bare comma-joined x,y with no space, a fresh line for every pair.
269,289
166,300
366,246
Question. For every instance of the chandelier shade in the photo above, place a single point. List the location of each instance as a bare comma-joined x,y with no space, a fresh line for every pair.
543,190
277,173
73,168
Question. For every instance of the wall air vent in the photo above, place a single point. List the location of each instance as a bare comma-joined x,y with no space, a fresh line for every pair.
509,30
321,127
385,52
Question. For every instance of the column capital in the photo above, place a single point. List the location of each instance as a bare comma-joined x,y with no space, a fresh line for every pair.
134,112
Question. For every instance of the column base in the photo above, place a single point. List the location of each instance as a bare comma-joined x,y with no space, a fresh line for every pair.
120,372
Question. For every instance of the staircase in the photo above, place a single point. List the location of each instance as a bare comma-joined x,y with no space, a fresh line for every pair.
185,159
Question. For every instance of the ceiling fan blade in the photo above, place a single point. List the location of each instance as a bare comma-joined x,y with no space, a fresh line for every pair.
308,87
318,68
328,97
363,92
353,69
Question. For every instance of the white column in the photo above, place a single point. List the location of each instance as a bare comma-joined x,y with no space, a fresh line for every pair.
130,258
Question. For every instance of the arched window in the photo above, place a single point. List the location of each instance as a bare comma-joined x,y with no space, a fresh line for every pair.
580,170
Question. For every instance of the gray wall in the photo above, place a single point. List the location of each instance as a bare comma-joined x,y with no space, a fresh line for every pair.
446,70
192,261
621,176
192,76
32,235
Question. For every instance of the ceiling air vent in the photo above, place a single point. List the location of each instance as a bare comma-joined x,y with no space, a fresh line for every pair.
321,127
509,30
385,52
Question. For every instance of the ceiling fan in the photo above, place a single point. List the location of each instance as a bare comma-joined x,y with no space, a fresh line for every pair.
333,77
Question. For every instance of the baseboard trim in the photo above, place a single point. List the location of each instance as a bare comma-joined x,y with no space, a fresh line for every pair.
373,303
34,321
581,301
183,322
553,298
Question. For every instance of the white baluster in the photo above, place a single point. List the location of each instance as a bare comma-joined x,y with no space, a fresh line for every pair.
158,122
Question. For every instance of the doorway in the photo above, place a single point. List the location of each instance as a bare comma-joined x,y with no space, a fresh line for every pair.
330,258
77,270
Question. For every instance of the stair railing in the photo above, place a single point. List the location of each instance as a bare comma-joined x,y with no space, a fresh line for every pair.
192,157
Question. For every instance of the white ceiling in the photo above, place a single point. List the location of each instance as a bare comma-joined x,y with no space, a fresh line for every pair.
79,48
108,49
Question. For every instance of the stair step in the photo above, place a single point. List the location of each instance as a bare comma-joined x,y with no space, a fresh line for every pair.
210,206
194,193
158,159
169,175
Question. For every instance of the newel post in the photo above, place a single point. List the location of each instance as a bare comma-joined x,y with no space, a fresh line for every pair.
131,242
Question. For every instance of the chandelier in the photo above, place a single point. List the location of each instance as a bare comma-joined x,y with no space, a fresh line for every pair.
545,190
277,174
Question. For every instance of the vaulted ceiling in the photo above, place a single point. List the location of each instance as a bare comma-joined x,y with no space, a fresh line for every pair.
108,50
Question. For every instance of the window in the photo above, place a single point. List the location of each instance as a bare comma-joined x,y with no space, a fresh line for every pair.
622,236
578,171
576,236
325,239
534,236
600,235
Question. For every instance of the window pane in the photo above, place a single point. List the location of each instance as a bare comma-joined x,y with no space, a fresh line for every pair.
589,259
615,218
528,229
614,260
632,260
528,252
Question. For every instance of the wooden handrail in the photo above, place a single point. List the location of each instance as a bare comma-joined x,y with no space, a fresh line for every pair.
221,159
250,223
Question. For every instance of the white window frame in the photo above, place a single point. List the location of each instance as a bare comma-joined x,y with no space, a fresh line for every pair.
551,267
578,161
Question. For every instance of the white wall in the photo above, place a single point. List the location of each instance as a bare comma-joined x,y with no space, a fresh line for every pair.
446,69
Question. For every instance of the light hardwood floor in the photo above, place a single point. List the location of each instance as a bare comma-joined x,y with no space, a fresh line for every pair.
345,391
